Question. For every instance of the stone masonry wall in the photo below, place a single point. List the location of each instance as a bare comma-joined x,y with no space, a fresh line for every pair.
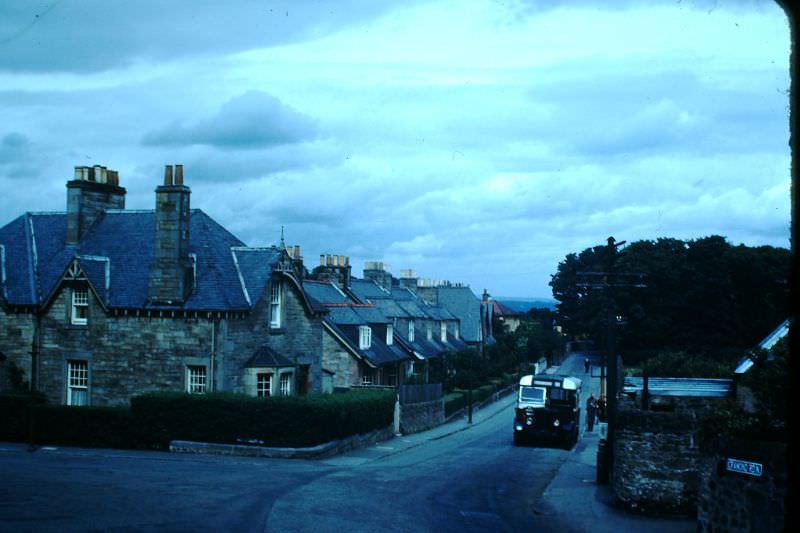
416,417
299,338
656,460
126,355
736,502
130,355
16,341
338,360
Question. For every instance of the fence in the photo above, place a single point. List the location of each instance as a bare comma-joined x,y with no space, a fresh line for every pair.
420,393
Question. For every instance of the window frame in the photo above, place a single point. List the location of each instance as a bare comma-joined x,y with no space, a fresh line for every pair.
193,385
275,306
79,301
77,370
285,378
443,330
389,334
261,390
364,337
410,331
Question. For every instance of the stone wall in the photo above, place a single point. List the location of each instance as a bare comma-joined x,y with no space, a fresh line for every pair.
339,361
737,502
657,462
16,342
416,417
130,354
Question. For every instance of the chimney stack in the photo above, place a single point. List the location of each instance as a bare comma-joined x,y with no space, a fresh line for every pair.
92,192
172,273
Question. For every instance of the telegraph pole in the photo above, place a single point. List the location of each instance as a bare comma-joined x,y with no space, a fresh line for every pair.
607,281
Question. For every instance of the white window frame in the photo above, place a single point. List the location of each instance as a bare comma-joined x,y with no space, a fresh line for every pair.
443,330
364,337
275,306
368,377
428,331
285,383
389,334
77,381
410,331
80,306
196,379
261,390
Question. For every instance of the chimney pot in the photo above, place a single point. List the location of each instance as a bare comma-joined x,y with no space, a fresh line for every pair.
178,174
168,175
329,260
296,251
321,259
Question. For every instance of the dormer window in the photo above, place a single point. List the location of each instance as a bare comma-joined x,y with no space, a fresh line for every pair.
410,331
276,305
80,306
428,332
364,337
389,334
443,331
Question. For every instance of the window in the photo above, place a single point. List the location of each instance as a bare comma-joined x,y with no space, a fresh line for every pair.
428,332
364,337
443,331
286,384
264,385
410,331
80,305
367,378
77,383
389,334
196,379
275,306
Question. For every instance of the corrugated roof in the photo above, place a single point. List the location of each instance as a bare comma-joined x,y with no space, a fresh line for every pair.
688,387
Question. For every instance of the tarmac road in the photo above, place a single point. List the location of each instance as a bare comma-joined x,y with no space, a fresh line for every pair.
457,477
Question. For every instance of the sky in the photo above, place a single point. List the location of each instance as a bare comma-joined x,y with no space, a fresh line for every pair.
473,141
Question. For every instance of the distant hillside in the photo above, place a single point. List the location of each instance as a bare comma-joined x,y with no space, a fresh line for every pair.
523,305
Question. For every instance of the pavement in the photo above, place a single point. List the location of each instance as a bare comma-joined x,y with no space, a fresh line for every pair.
573,498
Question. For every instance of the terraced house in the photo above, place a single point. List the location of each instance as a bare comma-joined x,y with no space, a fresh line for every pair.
100,303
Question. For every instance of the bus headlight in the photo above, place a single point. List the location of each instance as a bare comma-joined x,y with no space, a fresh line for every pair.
556,423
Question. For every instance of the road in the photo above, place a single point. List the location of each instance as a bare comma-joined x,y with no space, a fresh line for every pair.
471,480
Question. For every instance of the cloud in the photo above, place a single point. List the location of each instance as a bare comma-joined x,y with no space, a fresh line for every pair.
254,119
96,35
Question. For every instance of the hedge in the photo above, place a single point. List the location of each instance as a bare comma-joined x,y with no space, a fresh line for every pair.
288,421
153,420
458,399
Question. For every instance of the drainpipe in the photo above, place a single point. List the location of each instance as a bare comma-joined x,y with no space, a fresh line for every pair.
212,377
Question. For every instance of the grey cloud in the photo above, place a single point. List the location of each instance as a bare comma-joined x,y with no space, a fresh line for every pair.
95,35
17,158
252,120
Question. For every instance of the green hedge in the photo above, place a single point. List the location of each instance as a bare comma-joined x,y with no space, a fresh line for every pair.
291,421
153,420
15,414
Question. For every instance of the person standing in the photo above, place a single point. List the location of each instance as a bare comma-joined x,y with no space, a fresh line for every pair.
586,365
591,412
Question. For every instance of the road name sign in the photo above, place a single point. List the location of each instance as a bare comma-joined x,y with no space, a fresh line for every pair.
743,467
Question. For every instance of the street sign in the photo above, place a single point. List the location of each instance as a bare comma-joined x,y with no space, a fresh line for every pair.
743,467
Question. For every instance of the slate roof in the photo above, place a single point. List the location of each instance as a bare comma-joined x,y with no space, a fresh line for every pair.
367,290
267,357
463,303
116,253
344,316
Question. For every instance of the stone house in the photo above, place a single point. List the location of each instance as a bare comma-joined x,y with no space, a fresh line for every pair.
100,303
359,342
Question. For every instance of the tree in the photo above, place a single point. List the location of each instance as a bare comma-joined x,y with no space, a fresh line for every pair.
702,296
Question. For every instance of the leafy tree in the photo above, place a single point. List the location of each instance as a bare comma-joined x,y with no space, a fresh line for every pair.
702,296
